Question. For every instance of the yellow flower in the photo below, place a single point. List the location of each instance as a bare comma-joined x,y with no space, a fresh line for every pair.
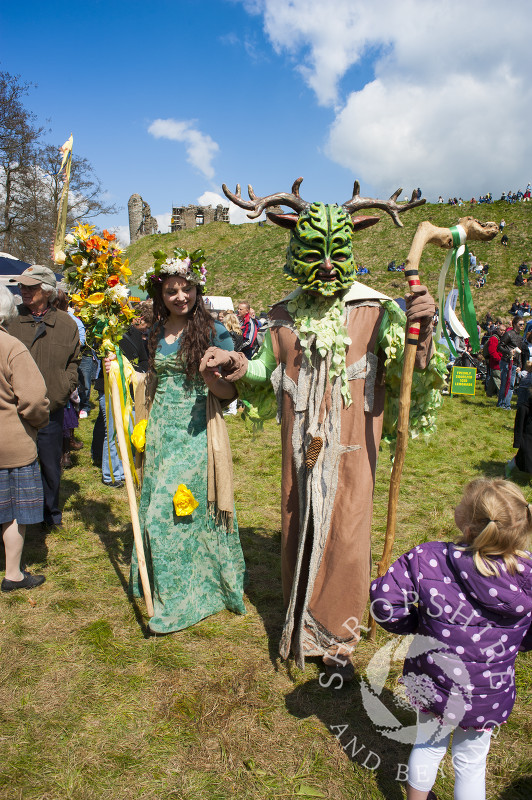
83,231
127,312
77,298
184,501
124,269
138,437
96,299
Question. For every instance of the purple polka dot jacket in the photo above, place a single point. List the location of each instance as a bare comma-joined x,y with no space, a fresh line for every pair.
469,628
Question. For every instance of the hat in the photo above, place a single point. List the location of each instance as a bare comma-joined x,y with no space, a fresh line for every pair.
34,275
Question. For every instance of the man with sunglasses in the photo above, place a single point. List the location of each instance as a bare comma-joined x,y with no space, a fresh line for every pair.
52,338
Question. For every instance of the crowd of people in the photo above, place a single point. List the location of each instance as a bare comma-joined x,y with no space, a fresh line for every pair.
190,366
48,370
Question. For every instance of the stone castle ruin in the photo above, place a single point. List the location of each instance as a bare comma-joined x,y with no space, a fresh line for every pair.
186,217
141,222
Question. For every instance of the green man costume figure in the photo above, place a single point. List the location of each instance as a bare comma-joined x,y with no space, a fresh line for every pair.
326,354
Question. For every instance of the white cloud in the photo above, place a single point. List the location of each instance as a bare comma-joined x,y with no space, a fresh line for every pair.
163,221
447,105
122,234
201,149
237,215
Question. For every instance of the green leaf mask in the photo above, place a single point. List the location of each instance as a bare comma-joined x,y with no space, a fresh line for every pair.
319,256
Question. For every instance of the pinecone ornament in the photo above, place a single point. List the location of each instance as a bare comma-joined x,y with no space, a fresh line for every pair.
313,451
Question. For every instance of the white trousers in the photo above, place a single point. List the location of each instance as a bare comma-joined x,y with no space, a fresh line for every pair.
469,751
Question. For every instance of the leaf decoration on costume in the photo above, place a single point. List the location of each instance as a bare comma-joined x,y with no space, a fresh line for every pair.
321,326
138,437
427,384
184,501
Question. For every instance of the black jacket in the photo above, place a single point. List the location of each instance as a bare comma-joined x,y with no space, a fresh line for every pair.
512,339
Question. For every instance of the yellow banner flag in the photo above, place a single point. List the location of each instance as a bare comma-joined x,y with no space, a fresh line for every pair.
60,231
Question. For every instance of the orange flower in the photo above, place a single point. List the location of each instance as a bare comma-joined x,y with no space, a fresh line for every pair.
109,236
112,280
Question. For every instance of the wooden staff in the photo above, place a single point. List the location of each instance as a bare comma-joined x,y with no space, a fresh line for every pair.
426,234
131,496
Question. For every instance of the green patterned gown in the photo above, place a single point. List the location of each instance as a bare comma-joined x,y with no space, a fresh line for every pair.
196,568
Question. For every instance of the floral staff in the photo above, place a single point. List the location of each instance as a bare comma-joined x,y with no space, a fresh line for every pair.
94,269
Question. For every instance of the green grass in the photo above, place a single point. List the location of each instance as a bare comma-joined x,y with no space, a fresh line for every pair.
245,261
91,707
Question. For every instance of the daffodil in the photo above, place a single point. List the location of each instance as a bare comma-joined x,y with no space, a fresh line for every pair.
184,501
124,269
138,437
95,299
83,231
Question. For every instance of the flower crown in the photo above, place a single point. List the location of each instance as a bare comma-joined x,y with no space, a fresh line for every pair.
186,265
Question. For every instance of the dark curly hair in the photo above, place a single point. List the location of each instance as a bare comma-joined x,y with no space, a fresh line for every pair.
195,339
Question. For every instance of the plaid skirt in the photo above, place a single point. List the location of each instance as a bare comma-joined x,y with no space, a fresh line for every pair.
21,495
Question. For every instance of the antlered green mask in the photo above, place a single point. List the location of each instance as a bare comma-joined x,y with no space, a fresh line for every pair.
319,256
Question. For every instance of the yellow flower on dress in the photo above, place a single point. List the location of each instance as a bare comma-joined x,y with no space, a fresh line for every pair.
138,437
184,501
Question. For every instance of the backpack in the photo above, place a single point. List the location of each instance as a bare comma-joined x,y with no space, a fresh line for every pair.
485,348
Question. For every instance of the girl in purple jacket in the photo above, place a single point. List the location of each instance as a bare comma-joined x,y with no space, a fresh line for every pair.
470,607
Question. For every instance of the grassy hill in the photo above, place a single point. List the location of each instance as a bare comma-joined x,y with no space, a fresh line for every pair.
245,261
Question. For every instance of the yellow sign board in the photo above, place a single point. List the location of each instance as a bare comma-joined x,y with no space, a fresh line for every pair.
463,380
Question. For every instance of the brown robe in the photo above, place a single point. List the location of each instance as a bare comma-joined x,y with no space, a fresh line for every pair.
327,510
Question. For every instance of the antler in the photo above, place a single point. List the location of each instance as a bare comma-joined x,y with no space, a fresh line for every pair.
258,204
390,206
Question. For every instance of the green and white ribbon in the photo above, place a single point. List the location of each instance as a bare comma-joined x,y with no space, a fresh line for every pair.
459,257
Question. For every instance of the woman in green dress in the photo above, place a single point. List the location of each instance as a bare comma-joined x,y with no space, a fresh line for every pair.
195,560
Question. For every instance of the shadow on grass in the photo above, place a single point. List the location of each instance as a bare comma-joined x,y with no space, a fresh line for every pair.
262,554
343,713
495,469
118,542
520,789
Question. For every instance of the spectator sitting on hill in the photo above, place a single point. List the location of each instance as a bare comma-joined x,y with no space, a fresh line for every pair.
504,240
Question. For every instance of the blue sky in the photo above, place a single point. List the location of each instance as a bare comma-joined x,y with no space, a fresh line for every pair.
171,99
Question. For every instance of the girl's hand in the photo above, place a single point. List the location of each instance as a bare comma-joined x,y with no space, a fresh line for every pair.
107,362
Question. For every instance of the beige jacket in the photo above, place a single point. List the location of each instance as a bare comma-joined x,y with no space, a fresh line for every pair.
23,403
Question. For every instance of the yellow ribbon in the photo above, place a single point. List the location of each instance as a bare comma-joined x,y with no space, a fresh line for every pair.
126,405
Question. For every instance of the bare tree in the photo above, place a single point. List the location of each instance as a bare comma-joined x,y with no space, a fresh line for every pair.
18,140
31,181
